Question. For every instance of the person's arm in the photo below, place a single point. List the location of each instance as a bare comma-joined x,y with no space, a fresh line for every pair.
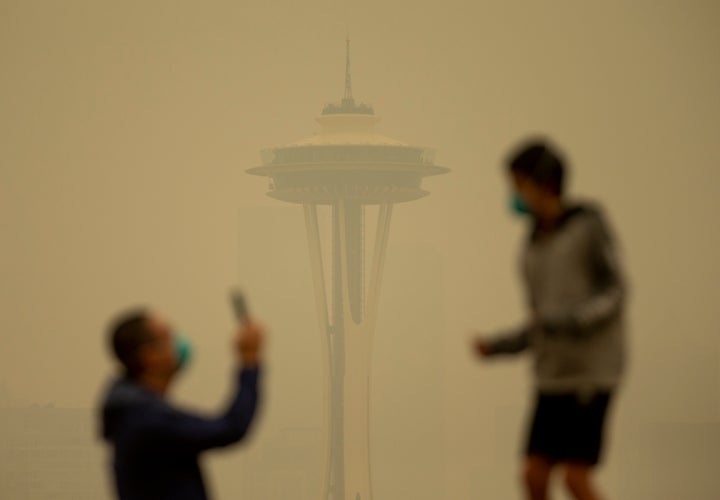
188,432
607,300
513,342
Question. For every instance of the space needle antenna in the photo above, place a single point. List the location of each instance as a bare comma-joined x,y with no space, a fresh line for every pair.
348,97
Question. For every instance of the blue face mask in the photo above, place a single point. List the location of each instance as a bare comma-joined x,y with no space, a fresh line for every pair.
183,351
518,205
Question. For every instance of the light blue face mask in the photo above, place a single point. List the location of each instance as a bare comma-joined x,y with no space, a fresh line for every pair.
518,205
183,351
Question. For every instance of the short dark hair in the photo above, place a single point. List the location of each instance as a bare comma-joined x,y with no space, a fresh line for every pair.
542,164
127,334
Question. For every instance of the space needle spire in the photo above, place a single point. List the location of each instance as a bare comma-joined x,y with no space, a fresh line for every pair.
347,105
348,98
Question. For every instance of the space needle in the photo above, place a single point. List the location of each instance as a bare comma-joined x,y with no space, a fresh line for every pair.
346,167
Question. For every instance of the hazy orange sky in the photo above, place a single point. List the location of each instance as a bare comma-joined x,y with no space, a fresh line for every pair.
125,132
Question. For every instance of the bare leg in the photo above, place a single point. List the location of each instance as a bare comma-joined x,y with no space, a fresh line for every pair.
578,479
537,477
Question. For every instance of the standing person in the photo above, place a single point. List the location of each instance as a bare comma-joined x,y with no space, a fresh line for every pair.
156,445
575,329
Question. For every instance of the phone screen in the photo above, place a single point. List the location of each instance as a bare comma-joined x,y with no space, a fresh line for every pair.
239,306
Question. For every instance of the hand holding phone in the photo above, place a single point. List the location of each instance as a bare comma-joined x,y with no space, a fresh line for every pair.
250,335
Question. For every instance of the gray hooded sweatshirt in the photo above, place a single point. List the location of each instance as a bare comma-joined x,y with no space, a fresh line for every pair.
576,295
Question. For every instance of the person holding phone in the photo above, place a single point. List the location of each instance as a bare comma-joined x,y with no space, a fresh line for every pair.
155,445
575,329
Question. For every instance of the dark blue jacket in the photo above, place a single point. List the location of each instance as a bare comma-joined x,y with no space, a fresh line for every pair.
156,446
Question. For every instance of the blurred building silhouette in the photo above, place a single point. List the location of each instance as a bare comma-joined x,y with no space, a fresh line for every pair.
50,453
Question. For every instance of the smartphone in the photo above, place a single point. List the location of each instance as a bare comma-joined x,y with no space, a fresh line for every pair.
239,306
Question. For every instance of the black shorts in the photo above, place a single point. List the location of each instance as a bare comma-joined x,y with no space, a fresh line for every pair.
568,427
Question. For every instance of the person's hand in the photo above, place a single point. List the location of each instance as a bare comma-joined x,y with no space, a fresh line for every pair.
481,348
248,344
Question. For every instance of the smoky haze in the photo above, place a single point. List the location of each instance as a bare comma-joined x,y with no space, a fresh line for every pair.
126,132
